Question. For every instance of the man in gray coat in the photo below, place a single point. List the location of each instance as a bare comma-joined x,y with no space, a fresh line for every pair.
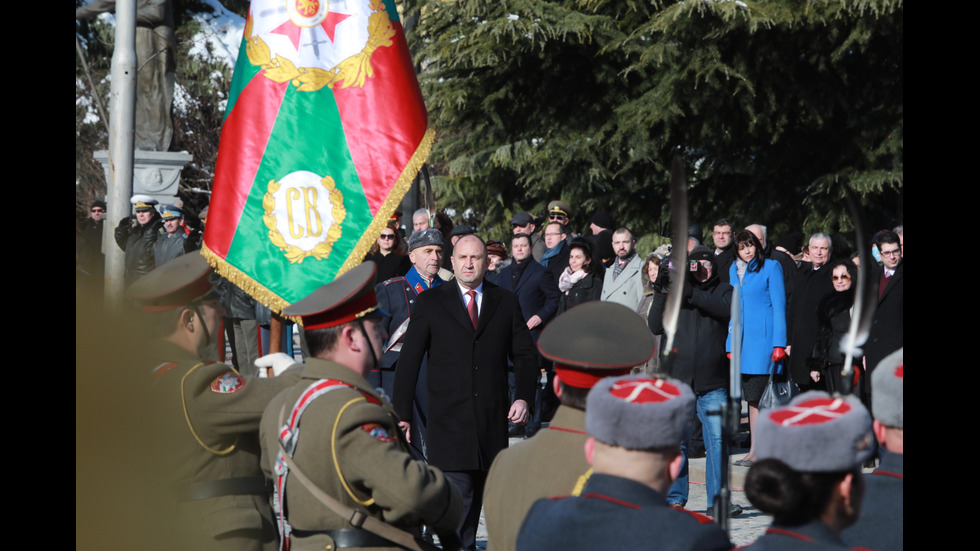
623,283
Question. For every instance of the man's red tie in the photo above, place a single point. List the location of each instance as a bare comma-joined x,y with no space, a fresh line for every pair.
882,283
471,308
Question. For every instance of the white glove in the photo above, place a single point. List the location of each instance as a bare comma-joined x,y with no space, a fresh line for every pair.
278,361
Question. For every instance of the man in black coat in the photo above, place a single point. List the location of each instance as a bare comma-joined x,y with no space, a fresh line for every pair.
811,285
533,284
136,234
538,295
469,328
89,260
700,362
887,326
721,236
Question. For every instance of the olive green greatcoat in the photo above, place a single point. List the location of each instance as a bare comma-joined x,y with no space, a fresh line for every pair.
211,433
550,464
352,450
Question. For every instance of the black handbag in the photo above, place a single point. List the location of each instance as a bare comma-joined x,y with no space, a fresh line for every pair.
779,390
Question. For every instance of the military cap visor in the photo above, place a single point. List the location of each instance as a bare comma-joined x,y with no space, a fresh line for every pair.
595,339
349,297
182,281
143,202
169,212
559,207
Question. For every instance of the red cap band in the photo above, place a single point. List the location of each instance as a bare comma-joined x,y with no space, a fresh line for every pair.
579,378
342,314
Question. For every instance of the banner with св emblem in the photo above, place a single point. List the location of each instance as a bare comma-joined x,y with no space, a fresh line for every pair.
324,131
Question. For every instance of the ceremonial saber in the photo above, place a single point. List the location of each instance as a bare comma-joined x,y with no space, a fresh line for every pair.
865,295
678,254
731,413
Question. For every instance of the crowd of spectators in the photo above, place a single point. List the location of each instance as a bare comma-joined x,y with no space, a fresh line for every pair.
795,303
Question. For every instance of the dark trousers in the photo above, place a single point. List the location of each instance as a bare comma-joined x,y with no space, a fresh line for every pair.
470,484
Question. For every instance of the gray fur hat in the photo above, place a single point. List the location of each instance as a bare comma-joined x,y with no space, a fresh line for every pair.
423,238
637,412
887,384
816,432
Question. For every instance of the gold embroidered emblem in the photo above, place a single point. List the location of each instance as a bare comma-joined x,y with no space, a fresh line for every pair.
304,213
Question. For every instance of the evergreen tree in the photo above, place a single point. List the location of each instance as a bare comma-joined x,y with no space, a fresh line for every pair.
772,105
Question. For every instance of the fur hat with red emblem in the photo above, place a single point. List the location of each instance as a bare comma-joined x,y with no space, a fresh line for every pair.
816,432
637,412
888,390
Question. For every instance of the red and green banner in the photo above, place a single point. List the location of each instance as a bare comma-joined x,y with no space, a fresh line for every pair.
324,132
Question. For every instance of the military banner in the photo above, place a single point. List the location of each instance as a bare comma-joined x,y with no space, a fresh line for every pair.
324,131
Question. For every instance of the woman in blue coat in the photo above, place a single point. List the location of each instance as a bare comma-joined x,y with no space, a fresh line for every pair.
760,285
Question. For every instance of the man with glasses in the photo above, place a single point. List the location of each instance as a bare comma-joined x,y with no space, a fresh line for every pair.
555,256
887,334
721,236
559,211
89,260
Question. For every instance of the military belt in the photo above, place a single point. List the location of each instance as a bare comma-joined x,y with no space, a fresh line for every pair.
225,487
347,537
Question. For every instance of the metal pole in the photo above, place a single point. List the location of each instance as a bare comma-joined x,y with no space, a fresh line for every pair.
122,112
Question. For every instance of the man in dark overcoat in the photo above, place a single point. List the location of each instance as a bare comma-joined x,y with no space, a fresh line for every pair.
469,328
888,325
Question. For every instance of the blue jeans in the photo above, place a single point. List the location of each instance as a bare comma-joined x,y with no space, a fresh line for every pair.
707,402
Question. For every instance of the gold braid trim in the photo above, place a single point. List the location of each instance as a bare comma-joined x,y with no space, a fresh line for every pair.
258,291
398,191
333,453
580,483
183,404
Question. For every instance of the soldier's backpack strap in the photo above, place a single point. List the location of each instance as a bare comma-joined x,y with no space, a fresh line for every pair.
288,437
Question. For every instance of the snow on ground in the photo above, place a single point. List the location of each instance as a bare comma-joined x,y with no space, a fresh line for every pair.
222,31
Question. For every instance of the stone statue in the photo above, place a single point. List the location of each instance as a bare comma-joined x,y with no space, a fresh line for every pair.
155,49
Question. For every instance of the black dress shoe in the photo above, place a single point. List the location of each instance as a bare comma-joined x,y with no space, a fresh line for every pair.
734,510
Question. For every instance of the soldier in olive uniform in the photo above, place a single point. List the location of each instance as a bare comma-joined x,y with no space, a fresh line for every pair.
349,448
635,426
587,343
210,413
